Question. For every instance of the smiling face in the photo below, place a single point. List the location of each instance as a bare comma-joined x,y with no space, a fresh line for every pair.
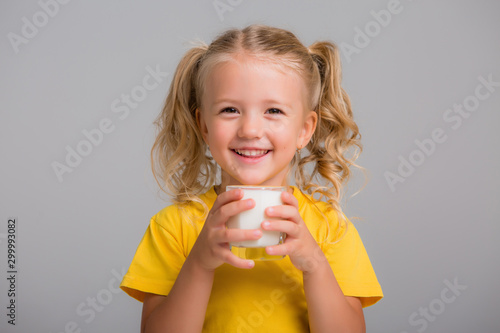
254,117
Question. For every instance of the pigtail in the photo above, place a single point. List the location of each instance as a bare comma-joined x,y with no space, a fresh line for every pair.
178,156
336,131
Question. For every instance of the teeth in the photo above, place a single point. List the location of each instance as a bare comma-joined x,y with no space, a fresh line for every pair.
251,152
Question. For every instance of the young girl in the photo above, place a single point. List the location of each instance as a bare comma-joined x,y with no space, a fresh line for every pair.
247,104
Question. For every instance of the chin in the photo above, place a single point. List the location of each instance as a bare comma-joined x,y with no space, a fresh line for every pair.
256,180
263,182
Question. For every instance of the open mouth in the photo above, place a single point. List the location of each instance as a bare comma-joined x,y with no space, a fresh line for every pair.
253,153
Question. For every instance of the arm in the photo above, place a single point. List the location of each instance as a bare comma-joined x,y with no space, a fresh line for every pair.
188,298
328,309
183,310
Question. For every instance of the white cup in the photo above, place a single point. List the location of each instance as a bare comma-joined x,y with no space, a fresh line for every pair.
264,196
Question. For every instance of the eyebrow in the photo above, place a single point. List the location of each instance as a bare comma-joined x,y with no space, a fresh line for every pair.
267,101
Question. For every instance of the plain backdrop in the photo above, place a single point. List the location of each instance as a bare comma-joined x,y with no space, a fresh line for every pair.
423,77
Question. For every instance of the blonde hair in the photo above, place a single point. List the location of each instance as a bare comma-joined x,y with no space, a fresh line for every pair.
181,162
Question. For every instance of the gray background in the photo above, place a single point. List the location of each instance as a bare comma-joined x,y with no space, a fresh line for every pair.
77,235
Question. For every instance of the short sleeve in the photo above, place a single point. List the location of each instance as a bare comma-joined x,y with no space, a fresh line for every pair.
352,267
156,264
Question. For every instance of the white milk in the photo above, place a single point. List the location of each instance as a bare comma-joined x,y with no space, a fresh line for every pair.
251,219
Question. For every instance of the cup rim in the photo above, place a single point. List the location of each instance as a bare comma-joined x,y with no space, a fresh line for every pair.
256,187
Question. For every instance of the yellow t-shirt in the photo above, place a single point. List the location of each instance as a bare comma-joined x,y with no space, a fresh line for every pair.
267,298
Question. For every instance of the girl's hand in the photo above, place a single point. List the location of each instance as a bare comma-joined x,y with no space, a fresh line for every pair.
299,244
211,248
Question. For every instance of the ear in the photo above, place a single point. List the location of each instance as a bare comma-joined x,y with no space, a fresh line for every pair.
308,128
200,121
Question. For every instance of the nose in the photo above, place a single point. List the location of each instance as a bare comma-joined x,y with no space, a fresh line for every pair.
251,126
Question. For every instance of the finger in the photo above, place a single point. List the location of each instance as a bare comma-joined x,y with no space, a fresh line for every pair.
285,212
232,208
226,205
231,259
279,250
289,199
286,226
238,235
227,197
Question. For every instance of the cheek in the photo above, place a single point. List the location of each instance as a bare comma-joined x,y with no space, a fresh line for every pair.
285,131
219,133
281,126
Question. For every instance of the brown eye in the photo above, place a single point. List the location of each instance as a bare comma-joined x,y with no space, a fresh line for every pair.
229,110
274,111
